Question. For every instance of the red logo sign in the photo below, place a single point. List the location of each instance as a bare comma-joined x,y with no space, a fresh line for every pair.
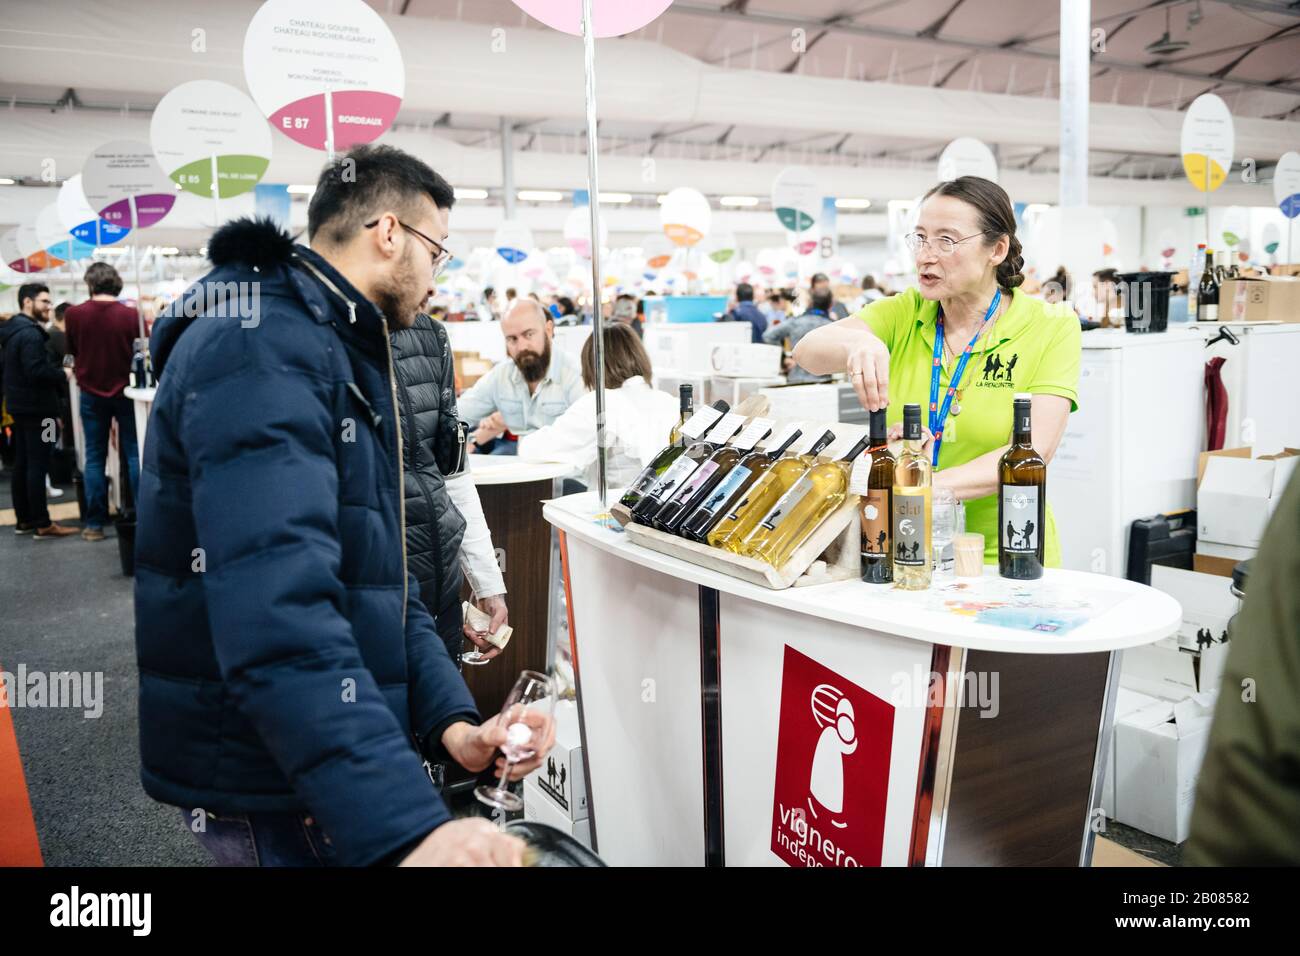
832,768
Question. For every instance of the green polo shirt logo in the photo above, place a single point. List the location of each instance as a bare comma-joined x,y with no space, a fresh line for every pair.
996,374
1034,347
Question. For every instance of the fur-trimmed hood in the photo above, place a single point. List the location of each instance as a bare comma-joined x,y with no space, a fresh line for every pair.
251,242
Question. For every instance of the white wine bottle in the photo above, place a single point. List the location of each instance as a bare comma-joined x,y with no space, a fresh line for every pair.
912,508
819,491
731,531
686,397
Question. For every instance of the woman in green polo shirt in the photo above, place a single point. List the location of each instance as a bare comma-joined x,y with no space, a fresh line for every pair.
968,266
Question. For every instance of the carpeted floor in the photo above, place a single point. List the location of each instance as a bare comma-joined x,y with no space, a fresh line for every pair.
65,606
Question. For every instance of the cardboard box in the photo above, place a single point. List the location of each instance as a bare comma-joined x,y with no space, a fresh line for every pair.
1260,299
1207,602
1236,495
1158,754
1126,702
1210,564
1224,552
1174,673
746,360
539,807
560,779
1163,670
470,367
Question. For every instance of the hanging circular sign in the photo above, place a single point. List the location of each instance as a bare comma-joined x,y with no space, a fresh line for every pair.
81,221
57,247
685,216
512,241
1286,184
1109,239
204,129
1207,142
1271,237
658,250
327,74
123,173
797,198
534,264
1167,244
806,244
612,18
1236,222
720,246
16,246
577,231
967,156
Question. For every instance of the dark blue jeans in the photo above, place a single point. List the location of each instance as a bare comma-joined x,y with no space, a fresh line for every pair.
97,415
262,839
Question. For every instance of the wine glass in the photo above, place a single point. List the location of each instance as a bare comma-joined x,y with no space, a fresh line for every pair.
944,517
474,657
529,706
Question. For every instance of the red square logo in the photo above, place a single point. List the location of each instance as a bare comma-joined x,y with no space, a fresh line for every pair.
832,768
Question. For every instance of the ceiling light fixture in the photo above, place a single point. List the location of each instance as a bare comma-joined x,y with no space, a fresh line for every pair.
1164,46
471,193
618,199
741,201
300,189
540,195
852,203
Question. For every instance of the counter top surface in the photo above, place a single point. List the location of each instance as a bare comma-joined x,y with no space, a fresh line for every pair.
509,470
1115,613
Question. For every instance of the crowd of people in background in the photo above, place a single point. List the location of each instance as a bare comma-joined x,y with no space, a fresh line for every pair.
45,348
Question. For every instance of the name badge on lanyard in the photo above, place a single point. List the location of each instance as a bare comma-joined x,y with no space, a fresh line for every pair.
939,413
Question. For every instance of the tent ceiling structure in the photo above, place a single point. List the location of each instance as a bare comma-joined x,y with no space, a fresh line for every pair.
705,91
681,88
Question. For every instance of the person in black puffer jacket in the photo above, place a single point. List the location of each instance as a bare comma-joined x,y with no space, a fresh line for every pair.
440,496
31,380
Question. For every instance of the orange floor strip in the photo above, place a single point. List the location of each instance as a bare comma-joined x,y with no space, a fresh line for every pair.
18,843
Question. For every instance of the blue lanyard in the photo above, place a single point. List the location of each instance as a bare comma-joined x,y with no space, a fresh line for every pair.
938,415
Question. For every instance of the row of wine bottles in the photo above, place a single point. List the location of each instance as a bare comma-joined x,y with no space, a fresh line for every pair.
711,485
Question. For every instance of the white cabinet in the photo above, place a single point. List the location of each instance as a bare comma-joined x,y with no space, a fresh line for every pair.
1130,451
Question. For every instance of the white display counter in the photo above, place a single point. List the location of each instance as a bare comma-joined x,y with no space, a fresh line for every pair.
678,665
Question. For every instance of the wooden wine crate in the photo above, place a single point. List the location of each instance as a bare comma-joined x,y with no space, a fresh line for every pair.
837,541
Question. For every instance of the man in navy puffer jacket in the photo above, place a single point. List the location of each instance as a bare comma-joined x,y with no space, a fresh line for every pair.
291,682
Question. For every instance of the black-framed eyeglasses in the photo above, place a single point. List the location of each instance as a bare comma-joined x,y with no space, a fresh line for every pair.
942,245
441,254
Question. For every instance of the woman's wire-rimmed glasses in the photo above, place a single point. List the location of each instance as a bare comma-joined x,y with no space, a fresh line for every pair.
941,244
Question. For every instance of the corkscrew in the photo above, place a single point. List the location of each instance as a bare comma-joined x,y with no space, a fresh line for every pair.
1223,334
